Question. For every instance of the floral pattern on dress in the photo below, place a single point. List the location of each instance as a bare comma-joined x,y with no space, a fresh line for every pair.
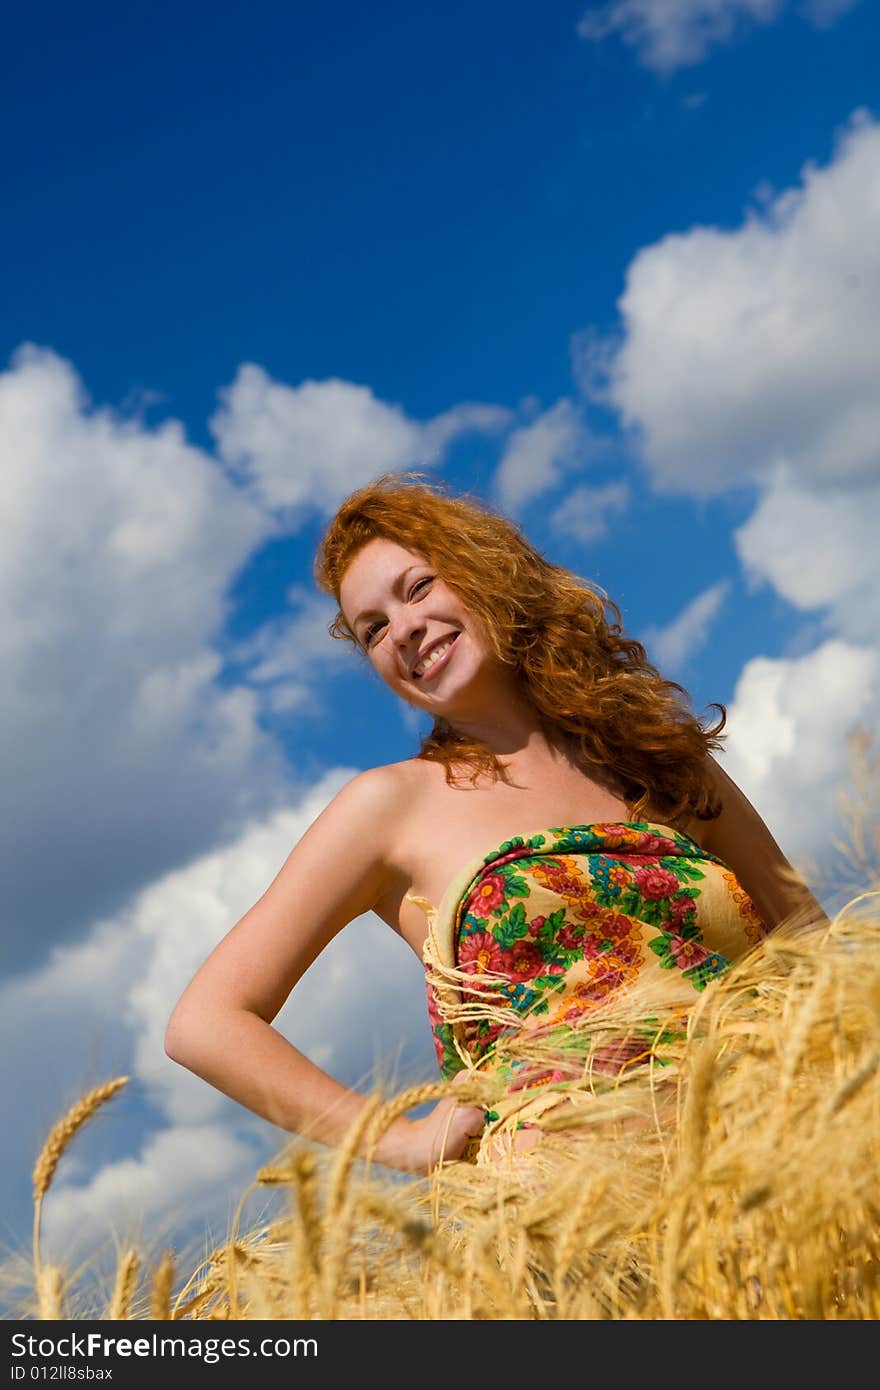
553,926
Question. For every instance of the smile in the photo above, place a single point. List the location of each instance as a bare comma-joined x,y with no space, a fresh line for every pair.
435,658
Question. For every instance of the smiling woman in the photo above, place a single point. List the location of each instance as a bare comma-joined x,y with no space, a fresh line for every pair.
562,849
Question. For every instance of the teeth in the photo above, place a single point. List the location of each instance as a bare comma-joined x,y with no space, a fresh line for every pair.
432,656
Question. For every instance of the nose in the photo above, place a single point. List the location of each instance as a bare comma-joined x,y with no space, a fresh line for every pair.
403,626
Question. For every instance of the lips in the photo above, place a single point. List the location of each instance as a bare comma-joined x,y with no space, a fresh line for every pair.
447,638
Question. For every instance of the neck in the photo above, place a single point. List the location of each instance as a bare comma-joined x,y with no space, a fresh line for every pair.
510,728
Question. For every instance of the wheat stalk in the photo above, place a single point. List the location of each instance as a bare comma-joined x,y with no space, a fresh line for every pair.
49,1293
160,1290
123,1288
59,1137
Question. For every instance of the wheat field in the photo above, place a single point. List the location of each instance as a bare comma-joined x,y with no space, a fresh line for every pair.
739,1181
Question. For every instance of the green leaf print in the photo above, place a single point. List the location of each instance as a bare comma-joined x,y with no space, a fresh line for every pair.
511,929
514,885
682,868
660,947
451,1061
516,843
654,911
548,933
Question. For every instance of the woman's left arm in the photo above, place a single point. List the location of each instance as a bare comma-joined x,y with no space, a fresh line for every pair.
741,839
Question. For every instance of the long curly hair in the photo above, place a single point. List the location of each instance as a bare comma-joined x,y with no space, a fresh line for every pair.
562,635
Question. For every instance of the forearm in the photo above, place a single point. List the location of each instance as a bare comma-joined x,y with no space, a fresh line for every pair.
247,1059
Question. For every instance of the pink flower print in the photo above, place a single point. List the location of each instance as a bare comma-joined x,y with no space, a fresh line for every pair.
525,960
615,835
480,952
654,882
679,908
686,954
613,927
535,925
656,844
591,946
571,936
488,894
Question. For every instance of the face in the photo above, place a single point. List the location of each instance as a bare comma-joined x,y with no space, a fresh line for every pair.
415,630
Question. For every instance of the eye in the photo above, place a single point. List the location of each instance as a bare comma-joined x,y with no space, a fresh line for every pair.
375,628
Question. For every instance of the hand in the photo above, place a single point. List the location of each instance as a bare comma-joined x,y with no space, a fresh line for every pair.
442,1134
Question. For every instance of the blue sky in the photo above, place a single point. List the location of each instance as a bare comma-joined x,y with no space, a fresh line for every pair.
613,267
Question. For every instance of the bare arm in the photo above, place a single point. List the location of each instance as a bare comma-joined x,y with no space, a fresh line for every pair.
742,840
221,1027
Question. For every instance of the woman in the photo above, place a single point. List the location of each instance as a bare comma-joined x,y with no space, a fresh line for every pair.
547,718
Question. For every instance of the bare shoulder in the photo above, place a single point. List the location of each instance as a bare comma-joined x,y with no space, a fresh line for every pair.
388,790
376,789
382,801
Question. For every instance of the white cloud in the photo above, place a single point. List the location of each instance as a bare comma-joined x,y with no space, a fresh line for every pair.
752,357
285,654
584,513
786,745
175,1181
539,453
672,34
749,349
121,752
818,548
305,447
672,647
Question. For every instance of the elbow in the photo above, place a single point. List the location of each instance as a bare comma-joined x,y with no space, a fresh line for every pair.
178,1041
172,1043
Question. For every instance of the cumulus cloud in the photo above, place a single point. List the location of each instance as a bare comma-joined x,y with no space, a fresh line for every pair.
672,34
585,512
137,1200
539,454
121,751
672,647
285,655
100,1009
302,448
786,744
818,549
750,358
751,349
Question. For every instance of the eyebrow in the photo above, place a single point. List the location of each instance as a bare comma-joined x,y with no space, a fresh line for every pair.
396,588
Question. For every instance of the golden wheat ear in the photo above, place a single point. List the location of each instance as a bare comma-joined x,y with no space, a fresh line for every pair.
59,1137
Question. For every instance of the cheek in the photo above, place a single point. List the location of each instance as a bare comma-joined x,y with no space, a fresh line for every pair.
385,668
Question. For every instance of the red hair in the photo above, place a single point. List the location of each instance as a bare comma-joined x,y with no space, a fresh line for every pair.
562,635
